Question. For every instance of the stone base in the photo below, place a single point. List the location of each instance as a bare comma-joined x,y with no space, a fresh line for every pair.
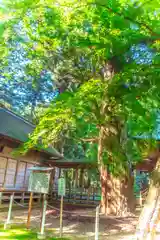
41,236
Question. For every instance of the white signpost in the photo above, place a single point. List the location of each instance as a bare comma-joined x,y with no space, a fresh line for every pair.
7,224
97,224
61,192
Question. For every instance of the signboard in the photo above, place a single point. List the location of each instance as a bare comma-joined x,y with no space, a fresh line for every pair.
61,187
39,181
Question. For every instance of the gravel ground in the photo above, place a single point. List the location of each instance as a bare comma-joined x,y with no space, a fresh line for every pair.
77,223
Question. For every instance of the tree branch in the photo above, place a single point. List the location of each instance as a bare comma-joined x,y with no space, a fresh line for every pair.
95,140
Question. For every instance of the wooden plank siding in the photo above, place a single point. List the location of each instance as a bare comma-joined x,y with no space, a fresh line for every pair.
14,176
14,173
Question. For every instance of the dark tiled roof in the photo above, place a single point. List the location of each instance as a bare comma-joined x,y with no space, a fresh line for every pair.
17,128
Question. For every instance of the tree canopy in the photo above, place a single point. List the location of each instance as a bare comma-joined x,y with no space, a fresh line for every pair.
104,59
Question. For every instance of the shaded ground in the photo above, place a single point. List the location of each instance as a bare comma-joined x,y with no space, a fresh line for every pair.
77,223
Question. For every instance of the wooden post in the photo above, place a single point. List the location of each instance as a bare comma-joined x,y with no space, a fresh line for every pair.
75,182
88,194
97,223
61,217
5,174
93,194
29,210
82,178
140,198
39,199
24,175
107,196
75,177
51,182
23,196
1,196
43,216
15,177
9,211
41,211
134,184
59,173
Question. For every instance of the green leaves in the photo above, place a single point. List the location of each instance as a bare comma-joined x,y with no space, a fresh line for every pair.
2,29
105,76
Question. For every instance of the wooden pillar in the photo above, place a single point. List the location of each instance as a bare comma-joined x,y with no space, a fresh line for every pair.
15,177
5,174
72,179
3,183
29,210
23,197
39,199
66,177
51,181
1,196
88,195
82,178
76,178
140,198
60,170
25,172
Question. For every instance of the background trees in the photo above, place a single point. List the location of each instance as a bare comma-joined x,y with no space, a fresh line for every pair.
26,94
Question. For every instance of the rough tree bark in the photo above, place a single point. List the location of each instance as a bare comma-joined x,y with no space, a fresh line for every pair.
116,194
150,214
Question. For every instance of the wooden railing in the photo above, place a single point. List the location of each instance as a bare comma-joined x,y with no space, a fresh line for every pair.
78,196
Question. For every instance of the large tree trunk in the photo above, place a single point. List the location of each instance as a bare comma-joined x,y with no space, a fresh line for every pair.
117,195
151,212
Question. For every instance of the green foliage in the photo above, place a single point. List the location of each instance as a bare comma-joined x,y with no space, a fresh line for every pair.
107,78
78,117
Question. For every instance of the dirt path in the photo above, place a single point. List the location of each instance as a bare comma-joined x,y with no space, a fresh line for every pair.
78,224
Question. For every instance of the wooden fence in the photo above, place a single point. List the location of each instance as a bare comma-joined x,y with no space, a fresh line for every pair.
79,195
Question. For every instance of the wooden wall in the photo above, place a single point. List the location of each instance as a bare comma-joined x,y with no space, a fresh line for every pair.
14,171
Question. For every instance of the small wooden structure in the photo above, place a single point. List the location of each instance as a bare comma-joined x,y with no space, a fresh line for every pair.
142,173
77,190
14,171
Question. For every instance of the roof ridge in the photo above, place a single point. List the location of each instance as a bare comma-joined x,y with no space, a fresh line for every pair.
17,116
